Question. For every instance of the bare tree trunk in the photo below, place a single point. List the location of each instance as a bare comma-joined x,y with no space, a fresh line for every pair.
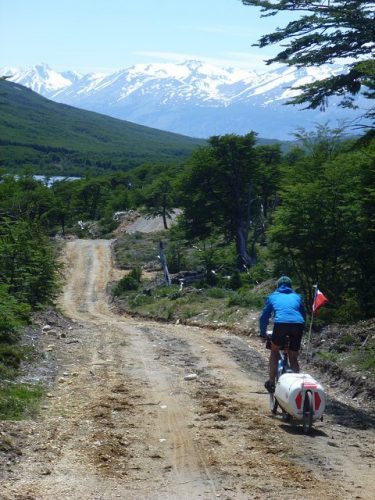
244,260
164,264
164,216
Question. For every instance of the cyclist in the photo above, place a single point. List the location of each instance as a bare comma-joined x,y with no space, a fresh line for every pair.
288,311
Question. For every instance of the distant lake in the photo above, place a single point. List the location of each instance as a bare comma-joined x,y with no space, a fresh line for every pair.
49,180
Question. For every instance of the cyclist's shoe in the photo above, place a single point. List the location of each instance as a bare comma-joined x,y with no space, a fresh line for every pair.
269,386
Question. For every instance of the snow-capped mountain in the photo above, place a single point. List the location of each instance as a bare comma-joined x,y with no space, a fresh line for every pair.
191,98
41,78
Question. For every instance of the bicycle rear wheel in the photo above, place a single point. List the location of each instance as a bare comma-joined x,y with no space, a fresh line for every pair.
308,411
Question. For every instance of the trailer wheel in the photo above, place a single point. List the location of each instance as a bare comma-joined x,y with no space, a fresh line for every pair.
286,417
273,404
308,411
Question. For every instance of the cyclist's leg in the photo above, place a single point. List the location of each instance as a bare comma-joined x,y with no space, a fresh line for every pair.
274,358
293,360
277,343
277,340
295,336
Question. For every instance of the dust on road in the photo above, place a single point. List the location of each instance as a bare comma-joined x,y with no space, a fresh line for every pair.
123,422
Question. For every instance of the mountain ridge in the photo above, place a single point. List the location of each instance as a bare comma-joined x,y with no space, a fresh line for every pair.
191,98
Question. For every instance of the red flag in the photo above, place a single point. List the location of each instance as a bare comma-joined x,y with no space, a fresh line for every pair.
319,300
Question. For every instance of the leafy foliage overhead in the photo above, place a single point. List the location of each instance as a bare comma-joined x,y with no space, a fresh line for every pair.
326,31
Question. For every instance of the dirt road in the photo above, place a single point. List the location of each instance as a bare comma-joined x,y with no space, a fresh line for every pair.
122,420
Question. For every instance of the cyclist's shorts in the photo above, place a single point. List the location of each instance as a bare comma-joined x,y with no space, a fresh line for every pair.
293,330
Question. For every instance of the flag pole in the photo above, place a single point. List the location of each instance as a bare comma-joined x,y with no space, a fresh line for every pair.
311,322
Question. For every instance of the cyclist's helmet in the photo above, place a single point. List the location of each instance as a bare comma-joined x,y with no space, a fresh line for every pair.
284,280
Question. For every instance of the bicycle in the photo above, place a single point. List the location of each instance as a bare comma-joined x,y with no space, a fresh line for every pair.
283,366
299,396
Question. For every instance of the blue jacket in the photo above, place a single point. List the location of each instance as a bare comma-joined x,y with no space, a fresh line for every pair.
285,305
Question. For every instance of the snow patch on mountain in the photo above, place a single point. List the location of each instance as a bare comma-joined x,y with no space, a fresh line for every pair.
42,79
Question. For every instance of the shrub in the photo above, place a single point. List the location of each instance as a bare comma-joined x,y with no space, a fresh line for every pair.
140,300
165,291
11,355
106,226
129,282
13,314
348,310
176,257
257,274
328,356
364,359
211,278
216,293
348,339
245,300
235,281
175,295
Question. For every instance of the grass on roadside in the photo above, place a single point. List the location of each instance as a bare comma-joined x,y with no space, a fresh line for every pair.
363,359
351,347
205,305
18,401
328,356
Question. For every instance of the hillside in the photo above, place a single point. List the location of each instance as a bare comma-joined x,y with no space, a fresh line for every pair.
55,138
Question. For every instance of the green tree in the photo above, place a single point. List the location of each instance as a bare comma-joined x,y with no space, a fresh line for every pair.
13,315
158,199
90,197
221,192
25,198
27,264
62,210
325,32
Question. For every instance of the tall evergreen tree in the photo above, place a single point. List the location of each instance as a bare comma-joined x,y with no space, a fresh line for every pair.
326,31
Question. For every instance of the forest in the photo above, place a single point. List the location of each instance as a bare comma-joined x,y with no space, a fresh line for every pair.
308,213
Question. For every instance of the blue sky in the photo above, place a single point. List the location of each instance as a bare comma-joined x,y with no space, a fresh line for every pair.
105,35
